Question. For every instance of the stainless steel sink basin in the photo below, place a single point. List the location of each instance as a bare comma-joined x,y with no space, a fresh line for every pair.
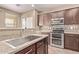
18,42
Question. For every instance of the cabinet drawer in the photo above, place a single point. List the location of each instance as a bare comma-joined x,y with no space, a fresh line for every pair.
27,50
40,43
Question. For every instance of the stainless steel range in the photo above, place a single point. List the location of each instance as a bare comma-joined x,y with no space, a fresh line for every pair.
57,35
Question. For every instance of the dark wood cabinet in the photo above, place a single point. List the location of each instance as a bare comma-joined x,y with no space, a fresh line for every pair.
40,47
40,50
47,33
68,17
58,14
71,16
44,19
40,19
46,45
71,41
28,50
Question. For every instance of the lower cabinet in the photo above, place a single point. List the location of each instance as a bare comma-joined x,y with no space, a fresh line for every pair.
40,47
40,50
46,45
47,33
72,41
28,50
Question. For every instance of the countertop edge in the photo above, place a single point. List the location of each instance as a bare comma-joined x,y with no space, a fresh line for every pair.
71,32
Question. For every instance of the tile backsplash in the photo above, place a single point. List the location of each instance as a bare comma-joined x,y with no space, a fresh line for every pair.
71,28
46,28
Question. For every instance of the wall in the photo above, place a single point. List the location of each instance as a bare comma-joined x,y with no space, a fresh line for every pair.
9,33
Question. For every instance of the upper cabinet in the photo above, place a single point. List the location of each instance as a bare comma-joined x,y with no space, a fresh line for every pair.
2,17
44,19
71,16
40,20
58,14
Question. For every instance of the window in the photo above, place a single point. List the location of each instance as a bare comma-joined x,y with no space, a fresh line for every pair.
23,22
27,22
10,20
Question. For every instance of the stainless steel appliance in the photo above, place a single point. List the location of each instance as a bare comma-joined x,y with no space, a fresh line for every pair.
57,35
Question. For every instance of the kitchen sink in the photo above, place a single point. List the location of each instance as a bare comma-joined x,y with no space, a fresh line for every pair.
18,42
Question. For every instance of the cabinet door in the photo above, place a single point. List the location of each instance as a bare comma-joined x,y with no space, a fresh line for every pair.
68,41
71,42
46,45
2,19
76,15
58,14
40,20
68,17
54,15
45,19
42,46
76,42
40,50
75,47
47,33
71,16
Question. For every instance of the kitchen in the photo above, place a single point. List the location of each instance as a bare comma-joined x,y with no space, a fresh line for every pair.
39,29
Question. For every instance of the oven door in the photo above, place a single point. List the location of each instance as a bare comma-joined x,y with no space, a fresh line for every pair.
57,40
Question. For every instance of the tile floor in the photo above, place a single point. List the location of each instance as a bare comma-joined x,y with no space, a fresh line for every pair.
54,50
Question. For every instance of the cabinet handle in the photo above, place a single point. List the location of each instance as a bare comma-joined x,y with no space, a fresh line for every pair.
29,51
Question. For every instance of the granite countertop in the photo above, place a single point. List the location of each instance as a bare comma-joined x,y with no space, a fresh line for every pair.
7,49
46,30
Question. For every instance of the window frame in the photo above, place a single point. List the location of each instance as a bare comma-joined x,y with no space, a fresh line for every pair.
8,24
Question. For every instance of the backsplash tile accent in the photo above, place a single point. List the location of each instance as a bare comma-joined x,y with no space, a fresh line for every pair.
71,28
46,28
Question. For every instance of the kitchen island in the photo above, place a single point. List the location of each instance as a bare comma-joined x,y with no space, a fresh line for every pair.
36,46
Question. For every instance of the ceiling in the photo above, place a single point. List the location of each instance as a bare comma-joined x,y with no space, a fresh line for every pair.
20,8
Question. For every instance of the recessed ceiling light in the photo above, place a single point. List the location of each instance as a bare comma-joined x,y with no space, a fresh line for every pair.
33,5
